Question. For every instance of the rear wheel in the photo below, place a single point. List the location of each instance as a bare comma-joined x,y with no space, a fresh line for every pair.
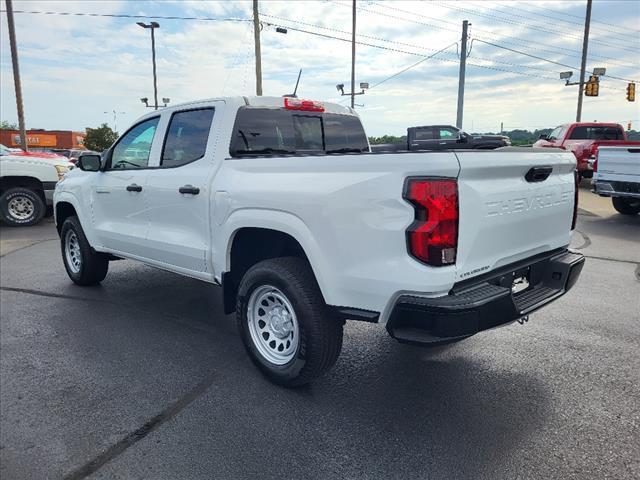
626,206
84,266
284,322
21,207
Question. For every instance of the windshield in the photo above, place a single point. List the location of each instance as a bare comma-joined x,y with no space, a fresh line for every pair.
557,133
264,131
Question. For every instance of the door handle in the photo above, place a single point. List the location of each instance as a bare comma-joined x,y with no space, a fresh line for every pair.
538,174
189,189
134,188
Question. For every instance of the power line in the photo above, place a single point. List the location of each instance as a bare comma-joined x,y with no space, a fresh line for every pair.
299,22
619,35
397,50
528,43
123,15
412,66
544,59
578,16
532,27
214,19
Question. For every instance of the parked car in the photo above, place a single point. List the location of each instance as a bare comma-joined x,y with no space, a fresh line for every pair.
617,175
31,153
444,137
280,201
584,139
26,186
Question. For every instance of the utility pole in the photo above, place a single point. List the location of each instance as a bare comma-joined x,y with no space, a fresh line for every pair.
16,76
353,54
501,127
153,26
583,66
256,36
463,66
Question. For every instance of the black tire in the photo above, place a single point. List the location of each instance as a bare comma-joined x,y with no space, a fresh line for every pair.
626,206
93,266
21,207
320,334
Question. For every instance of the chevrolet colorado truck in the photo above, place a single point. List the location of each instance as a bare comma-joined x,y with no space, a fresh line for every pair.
27,182
444,137
584,139
616,174
281,202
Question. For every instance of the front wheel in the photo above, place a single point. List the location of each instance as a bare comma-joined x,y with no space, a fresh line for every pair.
84,266
284,322
626,206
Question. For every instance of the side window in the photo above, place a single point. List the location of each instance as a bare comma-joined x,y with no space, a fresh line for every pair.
447,134
187,136
424,134
132,150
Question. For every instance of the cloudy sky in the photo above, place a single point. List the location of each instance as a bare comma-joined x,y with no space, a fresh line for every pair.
76,68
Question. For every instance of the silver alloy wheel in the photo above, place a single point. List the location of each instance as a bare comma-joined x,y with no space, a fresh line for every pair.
72,251
273,325
21,207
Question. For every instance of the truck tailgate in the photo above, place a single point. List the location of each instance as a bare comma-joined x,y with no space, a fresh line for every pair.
619,163
505,216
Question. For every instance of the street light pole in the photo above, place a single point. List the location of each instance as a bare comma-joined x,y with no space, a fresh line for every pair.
461,76
583,66
115,125
353,53
153,26
256,39
16,76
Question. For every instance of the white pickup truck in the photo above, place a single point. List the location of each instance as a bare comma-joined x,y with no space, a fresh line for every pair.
27,182
281,202
617,175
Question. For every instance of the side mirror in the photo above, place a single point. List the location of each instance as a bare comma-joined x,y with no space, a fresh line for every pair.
462,138
543,137
89,163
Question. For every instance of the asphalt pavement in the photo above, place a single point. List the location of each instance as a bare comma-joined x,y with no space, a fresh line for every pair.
144,377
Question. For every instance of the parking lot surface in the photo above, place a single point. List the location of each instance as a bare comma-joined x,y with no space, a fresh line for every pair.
145,377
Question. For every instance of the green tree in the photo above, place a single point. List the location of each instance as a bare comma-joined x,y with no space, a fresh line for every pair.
100,138
387,139
4,125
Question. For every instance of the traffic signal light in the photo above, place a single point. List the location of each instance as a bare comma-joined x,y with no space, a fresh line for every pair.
592,86
631,92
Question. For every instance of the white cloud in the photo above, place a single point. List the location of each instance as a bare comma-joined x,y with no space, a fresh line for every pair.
76,67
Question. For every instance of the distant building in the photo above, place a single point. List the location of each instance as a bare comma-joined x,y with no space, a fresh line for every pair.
44,139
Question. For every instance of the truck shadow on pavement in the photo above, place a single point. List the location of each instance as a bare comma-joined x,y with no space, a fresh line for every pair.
385,410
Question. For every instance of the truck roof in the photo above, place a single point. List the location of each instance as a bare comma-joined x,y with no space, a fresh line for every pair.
255,101
592,124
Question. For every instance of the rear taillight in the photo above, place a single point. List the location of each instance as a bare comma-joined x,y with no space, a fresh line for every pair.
433,237
576,178
593,158
305,105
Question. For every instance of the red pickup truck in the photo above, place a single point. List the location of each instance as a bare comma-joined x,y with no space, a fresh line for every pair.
583,139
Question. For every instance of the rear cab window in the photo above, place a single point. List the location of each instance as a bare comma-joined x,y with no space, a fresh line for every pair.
604,132
272,131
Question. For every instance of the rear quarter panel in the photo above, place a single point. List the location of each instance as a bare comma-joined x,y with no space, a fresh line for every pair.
346,211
